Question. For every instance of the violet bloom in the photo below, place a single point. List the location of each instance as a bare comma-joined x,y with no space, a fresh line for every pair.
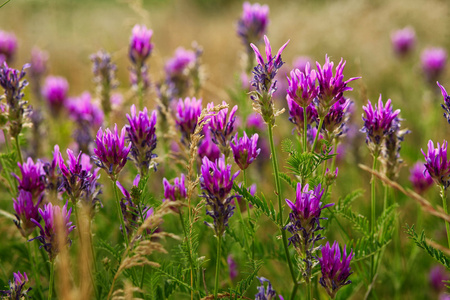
111,152
296,115
52,176
232,267
403,40
433,63
53,217
141,131
208,148
55,93
33,177
437,277
222,127
446,105
305,217
38,63
255,121
8,46
301,62
129,206
302,86
335,268
379,121
266,293
180,63
186,118
420,178
245,150
216,182
331,87
17,287
330,177
140,44
177,191
252,25
336,119
436,163
26,210
104,77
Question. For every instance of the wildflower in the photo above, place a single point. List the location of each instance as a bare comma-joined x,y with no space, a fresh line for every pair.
330,177
180,63
436,163
26,210
186,118
141,132
8,46
17,287
245,150
222,127
252,25
296,115
33,177
38,63
208,148
111,152
420,178
55,93
335,268
104,77
378,123
263,81
302,86
403,40
54,216
177,191
331,87
391,160
52,178
140,44
266,294
437,277
232,267
301,62
433,63
446,105
337,117
130,210
216,182
12,82
255,121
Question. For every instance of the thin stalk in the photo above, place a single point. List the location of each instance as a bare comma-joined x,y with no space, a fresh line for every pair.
333,161
309,287
52,273
140,86
19,153
5,135
317,134
386,192
373,208
33,262
294,291
191,262
305,129
219,245
278,188
444,205
119,212
244,172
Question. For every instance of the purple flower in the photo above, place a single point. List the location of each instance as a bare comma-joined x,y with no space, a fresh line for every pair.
55,92
53,217
33,177
222,127
187,113
245,150
104,77
335,120
217,181
26,210
180,63
331,87
335,268
437,276
177,191
8,46
142,134
253,23
140,44
129,206
420,178
16,287
232,267
111,152
84,111
296,115
433,63
301,62
38,63
208,148
255,121
52,176
446,105
266,294
436,163
379,122
330,177
403,40
302,86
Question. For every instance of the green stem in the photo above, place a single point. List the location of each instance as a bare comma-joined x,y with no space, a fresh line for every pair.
372,219
5,134
33,262
294,291
309,287
216,286
333,161
278,188
305,130
52,273
444,204
191,262
386,193
140,87
119,212
19,153
244,172
317,134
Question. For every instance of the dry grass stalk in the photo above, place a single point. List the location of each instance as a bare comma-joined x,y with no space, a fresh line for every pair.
127,293
439,247
223,296
63,279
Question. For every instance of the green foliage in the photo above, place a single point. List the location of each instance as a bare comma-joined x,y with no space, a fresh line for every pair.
243,285
420,241
9,165
344,209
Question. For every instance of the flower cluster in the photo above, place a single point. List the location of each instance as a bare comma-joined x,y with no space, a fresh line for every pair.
217,181
8,46
177,191
252,25
336,119
222,128
186,118
433,63
403,40
436,163
129,206
33,177
207,147
390,154
335,268
55,93
25,211
446,105
266,293
420,178
139,50
141,132
302,87
111,152
245,150
56,221
17,287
